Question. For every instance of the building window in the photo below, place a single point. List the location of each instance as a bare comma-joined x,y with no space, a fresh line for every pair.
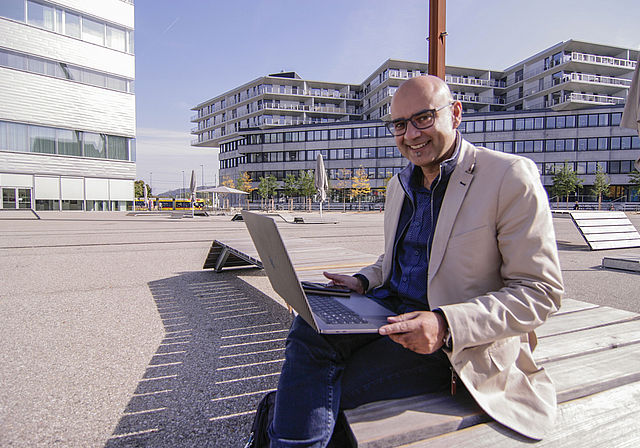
42,140
69,143
94,145
40,15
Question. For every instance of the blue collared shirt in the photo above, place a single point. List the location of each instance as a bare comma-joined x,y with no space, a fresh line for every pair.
406,290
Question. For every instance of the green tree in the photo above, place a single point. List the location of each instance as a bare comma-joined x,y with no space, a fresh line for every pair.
565,182
306,185
268,187
291,185
601,184
360,186
139,186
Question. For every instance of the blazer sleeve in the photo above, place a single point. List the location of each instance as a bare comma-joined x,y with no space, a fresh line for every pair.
527,269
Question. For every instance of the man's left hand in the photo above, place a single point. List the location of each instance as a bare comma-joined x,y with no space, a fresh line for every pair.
420,331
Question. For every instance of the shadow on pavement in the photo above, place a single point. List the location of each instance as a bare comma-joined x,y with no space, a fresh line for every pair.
222,351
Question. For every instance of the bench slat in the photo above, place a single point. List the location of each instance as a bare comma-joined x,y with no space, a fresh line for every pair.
591,340
582,320
607,419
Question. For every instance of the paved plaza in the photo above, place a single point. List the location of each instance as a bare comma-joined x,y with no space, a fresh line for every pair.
114,336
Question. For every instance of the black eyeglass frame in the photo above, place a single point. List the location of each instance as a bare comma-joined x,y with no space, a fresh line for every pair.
392,124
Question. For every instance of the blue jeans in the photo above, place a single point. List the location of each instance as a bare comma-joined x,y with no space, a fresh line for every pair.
325,373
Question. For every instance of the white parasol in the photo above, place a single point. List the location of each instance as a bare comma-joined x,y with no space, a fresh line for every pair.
321,181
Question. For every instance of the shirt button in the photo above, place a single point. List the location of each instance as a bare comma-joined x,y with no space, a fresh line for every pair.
404,279
416,253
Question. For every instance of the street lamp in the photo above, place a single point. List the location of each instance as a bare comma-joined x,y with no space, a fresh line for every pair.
151,181
182,192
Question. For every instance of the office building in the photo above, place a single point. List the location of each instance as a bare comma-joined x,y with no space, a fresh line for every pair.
562,104
67,104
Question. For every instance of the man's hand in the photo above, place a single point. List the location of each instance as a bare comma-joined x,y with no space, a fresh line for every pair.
353,283
420,331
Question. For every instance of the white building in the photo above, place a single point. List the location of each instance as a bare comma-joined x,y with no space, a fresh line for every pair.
67,104
562,104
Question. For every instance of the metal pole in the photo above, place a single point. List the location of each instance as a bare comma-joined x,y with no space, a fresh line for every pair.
182,192
437,33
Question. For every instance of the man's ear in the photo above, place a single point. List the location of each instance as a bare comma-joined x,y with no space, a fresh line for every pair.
456,114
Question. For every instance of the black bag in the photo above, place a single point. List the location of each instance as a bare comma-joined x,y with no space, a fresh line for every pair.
259,437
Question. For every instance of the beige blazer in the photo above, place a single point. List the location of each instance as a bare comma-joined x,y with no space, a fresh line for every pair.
494,272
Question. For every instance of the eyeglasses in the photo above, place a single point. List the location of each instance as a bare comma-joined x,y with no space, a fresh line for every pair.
420,120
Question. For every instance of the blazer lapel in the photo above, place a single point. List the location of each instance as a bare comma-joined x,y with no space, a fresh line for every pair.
459,183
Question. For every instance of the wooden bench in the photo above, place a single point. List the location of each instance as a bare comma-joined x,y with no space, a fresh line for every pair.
309,257
606,230
593,356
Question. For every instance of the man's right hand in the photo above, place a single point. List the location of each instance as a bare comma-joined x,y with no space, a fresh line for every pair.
353,283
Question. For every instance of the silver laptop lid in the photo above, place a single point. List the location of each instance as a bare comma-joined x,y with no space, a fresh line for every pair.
276,262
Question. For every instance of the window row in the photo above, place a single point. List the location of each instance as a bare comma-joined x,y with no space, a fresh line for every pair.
70,23
536,123
44,140
566,144
313,136
609,167
34,64
381,152
338,174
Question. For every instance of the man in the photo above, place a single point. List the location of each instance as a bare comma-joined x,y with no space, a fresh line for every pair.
470,267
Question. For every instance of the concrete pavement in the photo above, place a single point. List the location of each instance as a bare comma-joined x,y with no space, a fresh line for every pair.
114,336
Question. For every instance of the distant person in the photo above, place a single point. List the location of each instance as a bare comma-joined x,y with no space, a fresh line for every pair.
471,269
576,206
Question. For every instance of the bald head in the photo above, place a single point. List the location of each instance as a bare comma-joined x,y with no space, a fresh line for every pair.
428,100
429,86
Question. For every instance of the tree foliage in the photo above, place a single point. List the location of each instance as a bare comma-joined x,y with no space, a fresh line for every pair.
565,182
139,186
601,184
268,186
291,184
343,183
360,186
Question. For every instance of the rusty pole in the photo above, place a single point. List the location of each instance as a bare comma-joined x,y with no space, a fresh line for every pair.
437,34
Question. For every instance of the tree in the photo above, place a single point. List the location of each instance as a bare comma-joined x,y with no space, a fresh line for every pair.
360,186
306,185
601,184
268,187
565,182
291,184
344,183
139,186
244,184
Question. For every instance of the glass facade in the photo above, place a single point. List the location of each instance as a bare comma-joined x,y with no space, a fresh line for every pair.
39,139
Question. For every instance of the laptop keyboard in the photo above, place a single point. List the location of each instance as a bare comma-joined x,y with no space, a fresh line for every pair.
332,311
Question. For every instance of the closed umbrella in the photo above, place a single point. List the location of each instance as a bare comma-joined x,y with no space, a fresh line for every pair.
146,200
321,181
192,189
631,115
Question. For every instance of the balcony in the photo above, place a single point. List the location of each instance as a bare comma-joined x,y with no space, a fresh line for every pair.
489,83
579,100
477,99
615,84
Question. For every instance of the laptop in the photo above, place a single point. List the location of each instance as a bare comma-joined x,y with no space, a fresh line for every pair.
357,314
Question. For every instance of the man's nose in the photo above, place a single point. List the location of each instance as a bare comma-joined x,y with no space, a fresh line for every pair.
412,131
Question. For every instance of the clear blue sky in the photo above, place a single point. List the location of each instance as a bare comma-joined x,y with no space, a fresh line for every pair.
191,50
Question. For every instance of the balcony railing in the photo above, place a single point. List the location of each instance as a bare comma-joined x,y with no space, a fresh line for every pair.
603,60
474,81
477,99
581,77
589,98
579,57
